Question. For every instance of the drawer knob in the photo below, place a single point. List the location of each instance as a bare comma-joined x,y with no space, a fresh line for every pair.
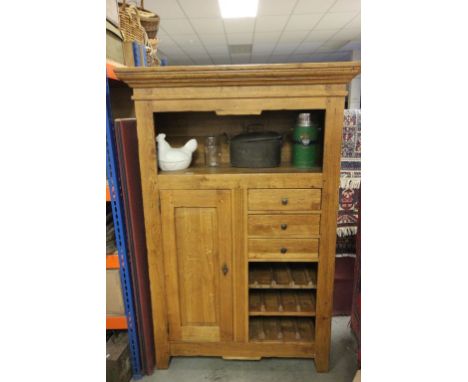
284,226
284,250
284,201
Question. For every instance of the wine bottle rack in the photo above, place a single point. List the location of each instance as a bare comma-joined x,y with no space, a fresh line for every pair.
282,303
282,329
282,276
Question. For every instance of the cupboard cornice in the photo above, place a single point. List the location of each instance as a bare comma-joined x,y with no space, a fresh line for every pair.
240,75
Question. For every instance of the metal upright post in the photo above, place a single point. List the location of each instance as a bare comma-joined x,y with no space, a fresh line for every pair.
120,238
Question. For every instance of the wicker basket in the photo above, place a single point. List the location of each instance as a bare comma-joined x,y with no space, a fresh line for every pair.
133,19
149,20
130,24
151,53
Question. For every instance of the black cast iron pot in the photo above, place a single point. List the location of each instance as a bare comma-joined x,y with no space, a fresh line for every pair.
259,149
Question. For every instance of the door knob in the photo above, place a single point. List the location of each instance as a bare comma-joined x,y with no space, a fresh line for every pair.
225,269
284,201
284,250
284,226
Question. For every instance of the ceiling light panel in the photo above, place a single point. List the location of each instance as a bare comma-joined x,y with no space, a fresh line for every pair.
231,9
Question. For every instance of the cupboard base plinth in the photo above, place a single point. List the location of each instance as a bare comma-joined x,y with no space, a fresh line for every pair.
226,358
243,350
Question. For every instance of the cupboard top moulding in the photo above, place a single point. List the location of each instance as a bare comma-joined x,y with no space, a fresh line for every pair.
185,88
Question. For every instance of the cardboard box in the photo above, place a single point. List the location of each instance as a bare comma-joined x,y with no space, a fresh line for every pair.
114,43
112,12
118,367
114,299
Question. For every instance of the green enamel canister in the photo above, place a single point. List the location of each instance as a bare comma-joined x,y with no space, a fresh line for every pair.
305,143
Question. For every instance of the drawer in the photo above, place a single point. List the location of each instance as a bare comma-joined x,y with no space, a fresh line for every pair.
283,249
284,199
283,225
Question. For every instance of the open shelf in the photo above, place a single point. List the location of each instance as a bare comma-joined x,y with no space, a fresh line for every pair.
179,127
279,329
282,303
282,276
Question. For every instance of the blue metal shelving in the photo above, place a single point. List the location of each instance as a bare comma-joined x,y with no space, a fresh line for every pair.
113,179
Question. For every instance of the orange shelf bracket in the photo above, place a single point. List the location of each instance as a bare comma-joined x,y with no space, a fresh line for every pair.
107,192
112,261
110,65
116,322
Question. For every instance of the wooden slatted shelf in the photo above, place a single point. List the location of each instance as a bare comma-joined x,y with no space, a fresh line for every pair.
282,303
282,276
275,329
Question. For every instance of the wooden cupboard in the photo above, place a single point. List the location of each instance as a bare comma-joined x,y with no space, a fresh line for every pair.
241,260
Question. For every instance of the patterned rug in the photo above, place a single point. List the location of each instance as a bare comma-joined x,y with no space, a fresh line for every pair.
350,183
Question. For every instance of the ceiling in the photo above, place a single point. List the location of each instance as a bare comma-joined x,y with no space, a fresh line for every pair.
192,32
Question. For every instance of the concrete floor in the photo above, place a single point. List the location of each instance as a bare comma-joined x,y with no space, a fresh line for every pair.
197,369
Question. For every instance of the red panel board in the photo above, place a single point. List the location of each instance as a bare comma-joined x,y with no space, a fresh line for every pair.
127,152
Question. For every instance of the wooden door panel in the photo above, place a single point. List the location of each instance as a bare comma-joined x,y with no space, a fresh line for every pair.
197,264
197,243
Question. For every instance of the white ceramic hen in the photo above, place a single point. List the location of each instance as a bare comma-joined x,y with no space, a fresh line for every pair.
174,158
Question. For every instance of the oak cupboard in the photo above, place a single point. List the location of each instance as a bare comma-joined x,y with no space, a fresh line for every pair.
241,260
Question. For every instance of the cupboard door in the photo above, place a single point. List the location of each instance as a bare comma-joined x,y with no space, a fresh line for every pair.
197,245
